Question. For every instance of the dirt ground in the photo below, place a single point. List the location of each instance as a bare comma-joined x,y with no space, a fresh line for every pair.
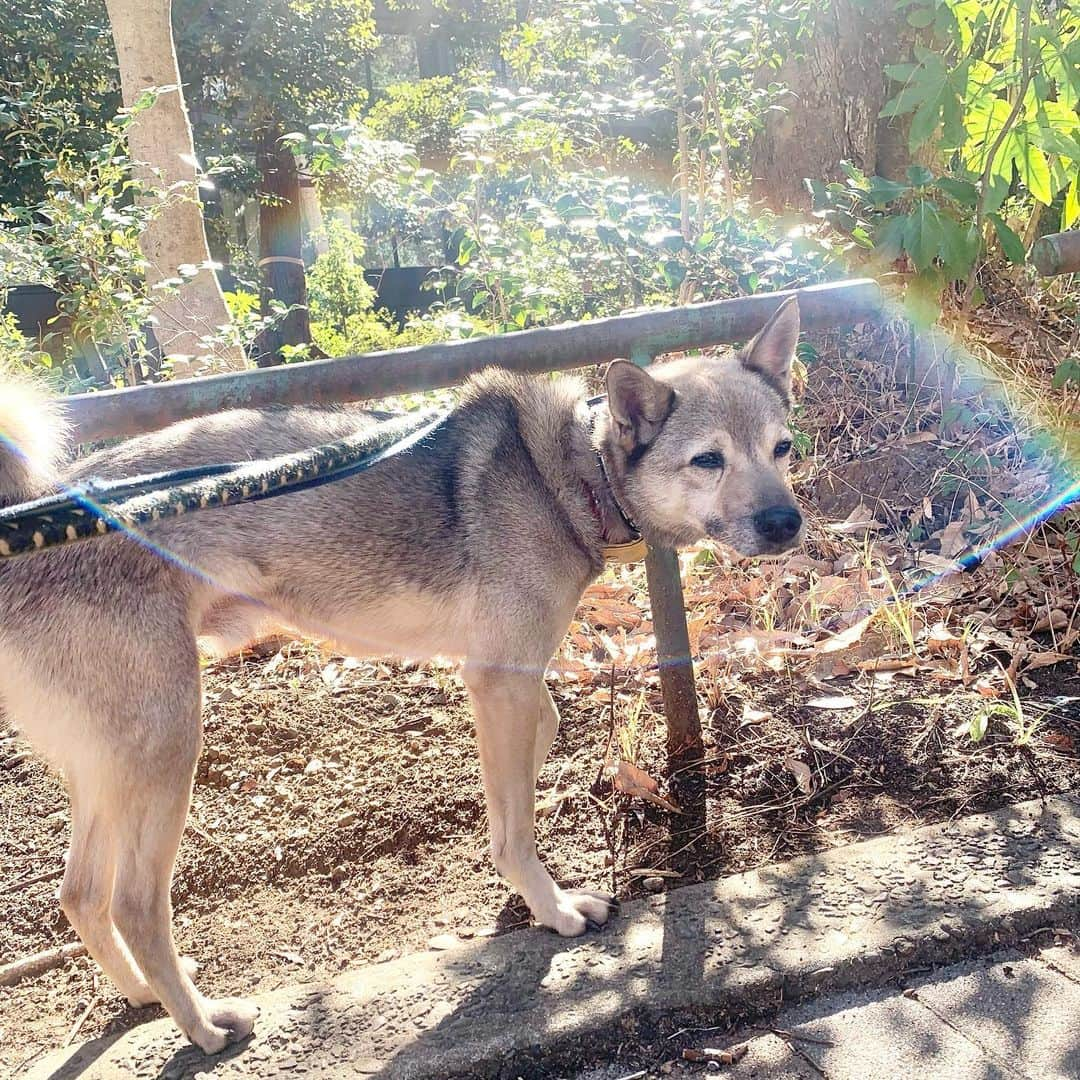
338,815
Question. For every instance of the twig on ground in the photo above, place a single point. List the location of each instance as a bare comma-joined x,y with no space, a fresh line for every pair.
77,1027
780,1033
38,963
49,875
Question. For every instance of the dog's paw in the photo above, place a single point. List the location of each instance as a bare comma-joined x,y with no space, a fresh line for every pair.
577,910
228,1020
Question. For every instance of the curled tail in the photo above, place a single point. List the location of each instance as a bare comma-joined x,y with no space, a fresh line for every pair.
33,440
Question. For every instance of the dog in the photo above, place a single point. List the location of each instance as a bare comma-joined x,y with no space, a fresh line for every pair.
477,543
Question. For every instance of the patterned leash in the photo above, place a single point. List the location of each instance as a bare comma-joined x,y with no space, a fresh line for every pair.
102,507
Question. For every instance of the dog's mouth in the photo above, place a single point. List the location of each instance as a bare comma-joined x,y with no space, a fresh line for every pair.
745,540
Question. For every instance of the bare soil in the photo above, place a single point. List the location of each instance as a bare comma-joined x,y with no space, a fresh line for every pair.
338,816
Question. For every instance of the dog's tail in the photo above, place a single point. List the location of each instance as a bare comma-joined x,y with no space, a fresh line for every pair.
33,439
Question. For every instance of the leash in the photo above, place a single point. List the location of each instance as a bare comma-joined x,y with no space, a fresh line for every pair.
104,506
99,507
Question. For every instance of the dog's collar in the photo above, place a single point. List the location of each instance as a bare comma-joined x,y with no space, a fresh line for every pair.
633,550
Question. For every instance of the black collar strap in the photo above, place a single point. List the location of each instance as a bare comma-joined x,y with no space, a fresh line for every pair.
635,549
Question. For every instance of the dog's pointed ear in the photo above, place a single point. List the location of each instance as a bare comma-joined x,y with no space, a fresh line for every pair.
638,403
771,353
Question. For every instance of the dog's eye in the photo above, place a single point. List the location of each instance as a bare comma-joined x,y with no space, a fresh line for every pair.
712,459
782,448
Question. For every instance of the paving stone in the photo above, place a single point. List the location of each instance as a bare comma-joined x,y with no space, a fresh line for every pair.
1019,1011
496,1005
885,1036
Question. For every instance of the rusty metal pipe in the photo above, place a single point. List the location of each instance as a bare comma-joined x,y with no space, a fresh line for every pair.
1057,253
112,413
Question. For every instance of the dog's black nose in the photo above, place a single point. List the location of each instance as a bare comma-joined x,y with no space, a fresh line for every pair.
778,524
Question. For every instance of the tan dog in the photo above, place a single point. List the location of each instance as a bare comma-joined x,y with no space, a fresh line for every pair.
477,544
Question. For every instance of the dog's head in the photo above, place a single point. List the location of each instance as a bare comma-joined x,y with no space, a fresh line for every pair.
699,446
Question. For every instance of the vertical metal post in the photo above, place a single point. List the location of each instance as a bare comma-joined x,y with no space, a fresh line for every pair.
672,643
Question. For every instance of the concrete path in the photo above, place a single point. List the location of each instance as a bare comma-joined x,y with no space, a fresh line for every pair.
530,1004
1006,1017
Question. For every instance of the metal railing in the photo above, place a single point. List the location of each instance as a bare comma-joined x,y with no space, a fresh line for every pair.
641,337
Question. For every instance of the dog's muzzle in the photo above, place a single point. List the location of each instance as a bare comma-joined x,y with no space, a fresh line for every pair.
778,525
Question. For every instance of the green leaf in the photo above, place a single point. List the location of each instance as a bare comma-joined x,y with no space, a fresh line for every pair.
1011,244
1067,371
674,273
919,175
952,114
1070,210
889,239
1034,169
924,122
996,193
923,236
882,190
924,83
977,726
964,192
920,18
959,248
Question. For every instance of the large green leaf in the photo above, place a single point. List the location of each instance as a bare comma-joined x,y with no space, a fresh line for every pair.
1070,211
963,191
959,248
883,191
923,235
889,239
1032,165
922,84
919,175
1011,244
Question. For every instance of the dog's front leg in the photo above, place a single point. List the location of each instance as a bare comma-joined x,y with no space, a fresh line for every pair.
512,712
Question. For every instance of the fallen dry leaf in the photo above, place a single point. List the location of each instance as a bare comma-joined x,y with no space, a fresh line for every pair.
919,437
942,640
887,663
1055,620
837,701
846,638
754,716
1046,659
846,528
628,779
801,771
1059,741
719,1057
952,539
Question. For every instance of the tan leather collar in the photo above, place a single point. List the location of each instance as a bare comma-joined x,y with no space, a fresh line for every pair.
632,550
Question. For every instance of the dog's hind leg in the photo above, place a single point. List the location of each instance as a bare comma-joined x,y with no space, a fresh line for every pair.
157,793
513,713
87,890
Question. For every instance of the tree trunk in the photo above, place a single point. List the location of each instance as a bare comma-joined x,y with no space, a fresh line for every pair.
835,92
280,239
161,144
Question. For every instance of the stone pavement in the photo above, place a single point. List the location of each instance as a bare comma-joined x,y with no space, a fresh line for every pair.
1005,1017
530,1004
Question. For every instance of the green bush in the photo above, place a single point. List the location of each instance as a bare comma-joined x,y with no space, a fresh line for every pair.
425,114
336,287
